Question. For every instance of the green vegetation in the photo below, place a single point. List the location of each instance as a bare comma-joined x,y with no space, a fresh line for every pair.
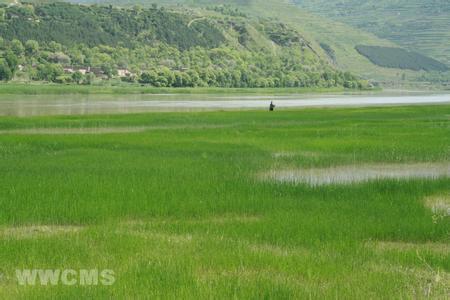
329,51
340,39
43,89
97,25
160,47
315,30
416,25
177,209
339,36
400,59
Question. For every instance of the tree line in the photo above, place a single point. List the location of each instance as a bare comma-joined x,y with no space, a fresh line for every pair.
166,66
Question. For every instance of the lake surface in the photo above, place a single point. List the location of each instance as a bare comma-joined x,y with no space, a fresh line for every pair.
34,105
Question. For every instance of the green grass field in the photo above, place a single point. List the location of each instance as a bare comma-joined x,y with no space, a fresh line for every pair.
174,204
127,89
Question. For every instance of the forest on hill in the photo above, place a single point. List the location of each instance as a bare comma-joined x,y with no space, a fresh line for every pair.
400,59
67,43
105,25
333,29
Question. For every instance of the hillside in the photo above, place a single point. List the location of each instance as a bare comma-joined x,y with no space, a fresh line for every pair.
329,40
159,46
337,36
417,25
72,24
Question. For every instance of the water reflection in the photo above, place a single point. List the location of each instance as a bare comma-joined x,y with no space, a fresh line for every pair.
360,173
33,105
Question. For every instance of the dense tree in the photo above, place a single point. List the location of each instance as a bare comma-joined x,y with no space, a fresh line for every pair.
148,78
31,47
5,71
77,77
48,72
59,58
17,47
12,61
54,46
2,15
97,25
400,58
108,69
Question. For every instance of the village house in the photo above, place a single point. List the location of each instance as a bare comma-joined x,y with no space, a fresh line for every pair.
84,70
71,70
124,73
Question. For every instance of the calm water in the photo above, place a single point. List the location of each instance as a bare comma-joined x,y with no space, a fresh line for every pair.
361,173
30,105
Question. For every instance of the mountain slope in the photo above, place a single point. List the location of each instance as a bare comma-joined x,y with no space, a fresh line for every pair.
417,25
168,47
342,39
71,24
331,40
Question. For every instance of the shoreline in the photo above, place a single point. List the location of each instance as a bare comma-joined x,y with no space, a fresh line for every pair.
53,89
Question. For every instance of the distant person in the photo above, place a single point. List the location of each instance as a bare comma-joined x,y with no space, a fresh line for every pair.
272,106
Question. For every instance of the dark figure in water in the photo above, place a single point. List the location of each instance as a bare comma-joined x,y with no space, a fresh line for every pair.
272,106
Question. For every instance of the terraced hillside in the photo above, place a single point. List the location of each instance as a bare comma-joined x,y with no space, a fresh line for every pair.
341,38
414,24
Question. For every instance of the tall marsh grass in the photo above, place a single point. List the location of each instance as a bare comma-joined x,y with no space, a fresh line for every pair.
178,212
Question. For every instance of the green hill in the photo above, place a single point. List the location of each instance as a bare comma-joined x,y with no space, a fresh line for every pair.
417,25
338,37
72,24
159,46
330,40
